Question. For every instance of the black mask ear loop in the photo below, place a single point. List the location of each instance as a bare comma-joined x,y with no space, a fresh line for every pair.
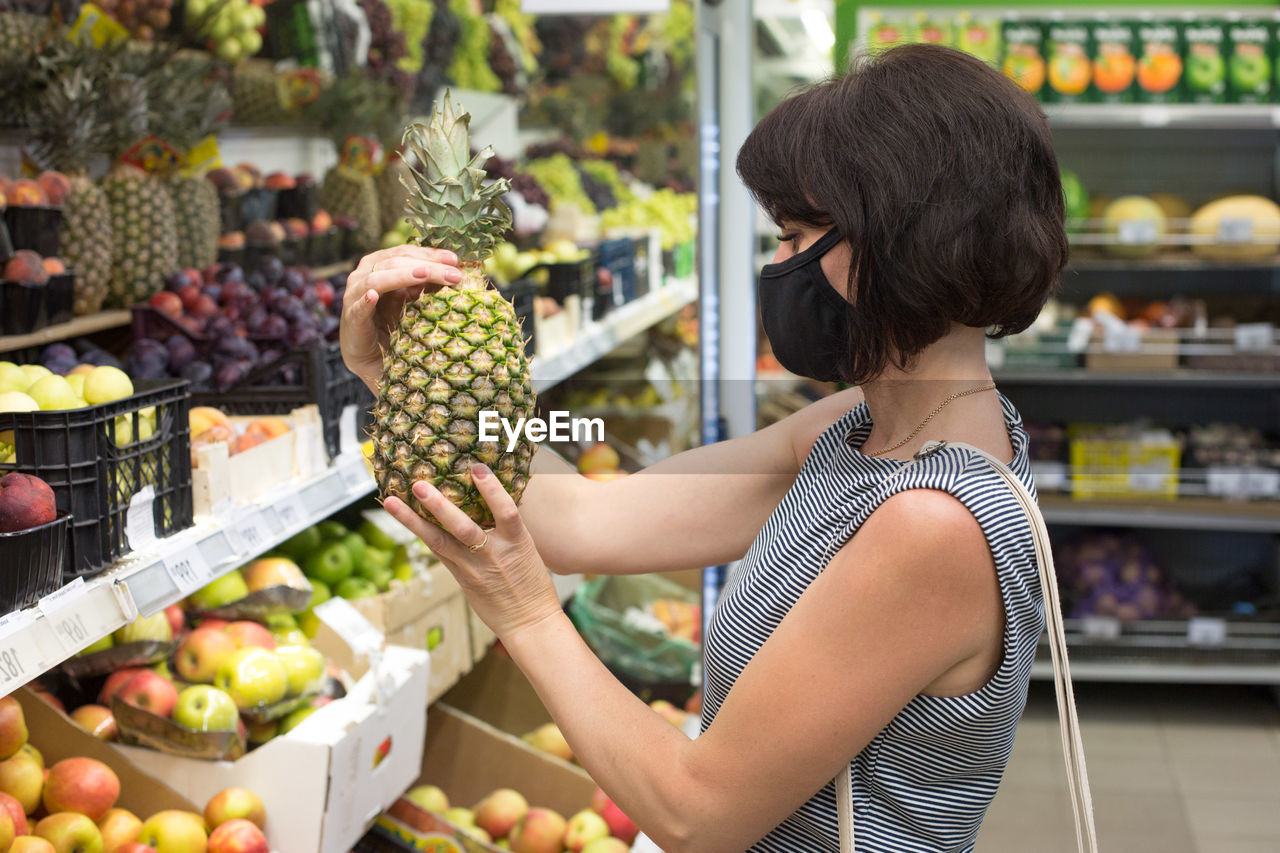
824,244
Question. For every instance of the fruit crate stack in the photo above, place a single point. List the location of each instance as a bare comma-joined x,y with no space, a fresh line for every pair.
36,287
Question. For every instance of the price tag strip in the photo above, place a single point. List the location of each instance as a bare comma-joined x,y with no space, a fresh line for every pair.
20,659
188,569
79,614
1206,631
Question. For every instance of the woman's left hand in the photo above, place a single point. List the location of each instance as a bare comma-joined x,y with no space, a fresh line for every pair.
505,580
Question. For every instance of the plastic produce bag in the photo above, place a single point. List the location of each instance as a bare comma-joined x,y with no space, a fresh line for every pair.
609,613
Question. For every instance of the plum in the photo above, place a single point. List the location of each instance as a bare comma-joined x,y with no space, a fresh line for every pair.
227,374
198,373
237,348
99,358
272,269
255,319
213,291
58,352
303,337
175,281
292,279
256,280
60,366
229,272
275,327
220,327
181,352
331,326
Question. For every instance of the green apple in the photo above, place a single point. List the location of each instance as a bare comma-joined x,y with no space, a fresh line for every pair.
290,721
330,564
300,545
221,592
203,708
99,646
402,572
309,623
355,588
460,817
320,593
356,547
303,665
252,677
379,576
54,393
162,669
429,798
106,384
374,535
12,377
332,531
153,627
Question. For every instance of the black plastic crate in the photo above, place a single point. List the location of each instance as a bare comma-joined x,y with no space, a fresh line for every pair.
35,227
93,478
32,561
25,308
6,244
520,294
300,378
59,297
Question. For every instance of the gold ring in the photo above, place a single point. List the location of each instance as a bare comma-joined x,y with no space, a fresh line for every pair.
373,269
474,548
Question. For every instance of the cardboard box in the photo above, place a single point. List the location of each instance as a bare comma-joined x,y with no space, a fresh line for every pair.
1158,351
57,737
444,632
220,479
496,692
323,783
468,759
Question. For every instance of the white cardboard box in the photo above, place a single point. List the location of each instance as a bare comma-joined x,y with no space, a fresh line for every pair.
322,784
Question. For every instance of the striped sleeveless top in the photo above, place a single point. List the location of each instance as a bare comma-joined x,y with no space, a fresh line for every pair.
925,781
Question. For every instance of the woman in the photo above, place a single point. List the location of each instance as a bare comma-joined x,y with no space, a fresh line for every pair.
885,614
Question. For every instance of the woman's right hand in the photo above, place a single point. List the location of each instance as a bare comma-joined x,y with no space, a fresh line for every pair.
377,290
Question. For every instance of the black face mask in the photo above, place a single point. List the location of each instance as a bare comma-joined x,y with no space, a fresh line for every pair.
806,320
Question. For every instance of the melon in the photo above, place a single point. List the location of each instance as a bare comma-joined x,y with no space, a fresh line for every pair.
1175,208
1137,225
1223,221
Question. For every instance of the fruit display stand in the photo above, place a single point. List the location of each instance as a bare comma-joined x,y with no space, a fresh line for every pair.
329,777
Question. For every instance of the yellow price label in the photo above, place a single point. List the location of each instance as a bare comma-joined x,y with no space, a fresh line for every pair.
203,156
96,26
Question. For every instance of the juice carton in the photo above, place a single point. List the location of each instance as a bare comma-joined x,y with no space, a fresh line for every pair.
1067,46
1159,61
1114,64
1204,73
978,36
1249,78
1024,63
931,29
885,32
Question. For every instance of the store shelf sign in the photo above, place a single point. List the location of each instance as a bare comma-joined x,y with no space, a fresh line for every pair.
1206,631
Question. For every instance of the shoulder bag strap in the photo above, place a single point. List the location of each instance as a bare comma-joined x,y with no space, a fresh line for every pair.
1068,721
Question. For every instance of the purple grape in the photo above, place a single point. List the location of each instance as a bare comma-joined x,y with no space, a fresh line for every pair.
292,279
271,268
213,291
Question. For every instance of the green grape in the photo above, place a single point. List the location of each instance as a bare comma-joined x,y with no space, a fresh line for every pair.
560,179
606,172
470,68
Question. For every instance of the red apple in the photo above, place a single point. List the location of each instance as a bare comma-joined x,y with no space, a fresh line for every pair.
151,692
235,804
31,844
133,847
45,696
201,653
13,727
216,624
238,836
539,831
115,681
83,785
619,824
97,720
173,831
189,294
196,276
247,634
168,303
324,292
70,832
176,618
15,810
204,307
25,502
118,827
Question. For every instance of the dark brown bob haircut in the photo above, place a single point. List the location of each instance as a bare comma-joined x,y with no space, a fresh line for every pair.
940,172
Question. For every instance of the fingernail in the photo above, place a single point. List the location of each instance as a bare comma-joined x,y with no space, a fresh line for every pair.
420,272
449,258
480,471
453,275
422,490
371,296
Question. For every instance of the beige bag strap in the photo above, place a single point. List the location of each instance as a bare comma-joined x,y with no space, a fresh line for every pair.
1068,721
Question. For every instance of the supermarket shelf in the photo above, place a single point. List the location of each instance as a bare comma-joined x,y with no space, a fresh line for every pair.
1168,673
599,339
1181,378
1209,116
1167,263
145,582
79,326
1180,514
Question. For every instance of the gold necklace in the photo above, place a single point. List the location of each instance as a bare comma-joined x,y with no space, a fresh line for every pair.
956,396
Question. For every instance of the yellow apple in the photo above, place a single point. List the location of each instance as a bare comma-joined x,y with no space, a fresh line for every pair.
173,831
106,384
118,827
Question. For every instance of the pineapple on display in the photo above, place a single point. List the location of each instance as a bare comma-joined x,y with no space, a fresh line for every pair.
347,192
20,33
393,194
255,94
458,351
68,127
144,246
192,104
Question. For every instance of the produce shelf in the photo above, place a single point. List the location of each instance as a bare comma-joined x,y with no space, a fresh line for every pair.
598,339
1167,263
1202,650
79,326
1214,116
1180,514
1180,378
165,571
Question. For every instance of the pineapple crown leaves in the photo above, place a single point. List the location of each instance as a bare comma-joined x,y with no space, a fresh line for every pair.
64,112
450,205
185,101
356,105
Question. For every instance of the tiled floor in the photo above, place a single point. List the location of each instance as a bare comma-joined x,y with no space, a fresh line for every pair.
1173,770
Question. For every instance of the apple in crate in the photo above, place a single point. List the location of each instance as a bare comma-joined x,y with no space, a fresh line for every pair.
497,813
13,727
620,825
267,572
22,777
31,844
220,592
203,708
303,665
118,827
235,804
173,831
238,836
249,635
177,619
201,653
539,831
252,677
97,721
150,691
16,814
115,681
583,828
154,627
70,832
607,845
429,797
83,785
25,502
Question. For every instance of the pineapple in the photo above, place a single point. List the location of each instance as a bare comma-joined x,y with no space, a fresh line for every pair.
255,92
68,129
193,105
20,34
144,245
346,192
459,350
393,195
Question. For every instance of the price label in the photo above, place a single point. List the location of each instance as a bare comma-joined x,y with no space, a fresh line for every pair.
1119,337
71,631
14,622
350,624
291,511
1206,631
252,534
188,569
1133,232
1100,627
355,476
1251,337
1235,230
13,668
1226,482
348,440
140,525
1155,116
1262,482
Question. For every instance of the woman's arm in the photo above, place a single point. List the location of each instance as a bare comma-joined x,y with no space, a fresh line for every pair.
908,603
699,508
